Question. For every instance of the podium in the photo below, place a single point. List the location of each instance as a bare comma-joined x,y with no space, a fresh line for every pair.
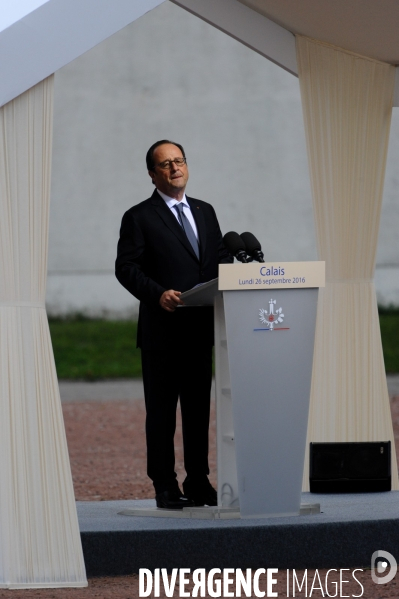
265,318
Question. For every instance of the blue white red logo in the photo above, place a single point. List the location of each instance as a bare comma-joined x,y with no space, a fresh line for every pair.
271,318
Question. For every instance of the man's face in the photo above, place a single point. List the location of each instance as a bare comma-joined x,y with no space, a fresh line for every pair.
171,181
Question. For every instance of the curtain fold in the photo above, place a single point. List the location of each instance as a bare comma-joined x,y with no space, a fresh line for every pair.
347,106
40,542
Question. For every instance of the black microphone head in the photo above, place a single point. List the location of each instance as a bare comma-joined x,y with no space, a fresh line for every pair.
233,242
251,243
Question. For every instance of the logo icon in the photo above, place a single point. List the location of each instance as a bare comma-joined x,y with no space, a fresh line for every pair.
271,318
380,562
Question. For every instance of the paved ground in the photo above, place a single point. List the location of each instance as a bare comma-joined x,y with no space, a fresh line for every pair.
133,389
105,423
105,432
112,390
102,390
393,384
106,442
127,587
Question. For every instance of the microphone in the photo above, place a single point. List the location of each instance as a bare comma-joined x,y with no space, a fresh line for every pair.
235,245
252,246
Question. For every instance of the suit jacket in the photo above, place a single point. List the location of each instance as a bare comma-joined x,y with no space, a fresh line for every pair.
154,255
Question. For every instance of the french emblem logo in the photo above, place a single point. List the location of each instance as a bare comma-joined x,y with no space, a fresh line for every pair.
271,317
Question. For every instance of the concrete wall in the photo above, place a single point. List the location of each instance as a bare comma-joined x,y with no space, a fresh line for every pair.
239,119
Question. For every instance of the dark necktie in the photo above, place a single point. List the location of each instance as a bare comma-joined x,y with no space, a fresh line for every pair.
187,228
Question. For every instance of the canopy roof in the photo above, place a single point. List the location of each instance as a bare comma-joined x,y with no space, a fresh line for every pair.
368,27
38,37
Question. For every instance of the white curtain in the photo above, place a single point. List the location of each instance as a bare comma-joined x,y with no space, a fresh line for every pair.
39,535
347,105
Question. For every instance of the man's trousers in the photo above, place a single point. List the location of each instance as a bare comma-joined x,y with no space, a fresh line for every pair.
168,375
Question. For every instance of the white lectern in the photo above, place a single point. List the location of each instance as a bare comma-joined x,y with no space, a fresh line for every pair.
265,318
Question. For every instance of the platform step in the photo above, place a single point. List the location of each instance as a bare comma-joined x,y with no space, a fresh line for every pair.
204,513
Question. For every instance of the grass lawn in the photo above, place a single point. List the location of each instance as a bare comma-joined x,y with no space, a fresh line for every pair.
389,323
96,349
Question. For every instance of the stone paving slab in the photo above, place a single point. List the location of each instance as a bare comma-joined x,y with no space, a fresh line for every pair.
118,389
393,385
132,389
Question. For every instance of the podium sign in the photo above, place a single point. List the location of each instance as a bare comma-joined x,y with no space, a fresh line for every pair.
271,275
264,339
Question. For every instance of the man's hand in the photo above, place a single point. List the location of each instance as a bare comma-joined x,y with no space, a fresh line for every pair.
170,300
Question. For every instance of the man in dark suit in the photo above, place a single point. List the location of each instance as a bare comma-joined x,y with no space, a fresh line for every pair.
168,244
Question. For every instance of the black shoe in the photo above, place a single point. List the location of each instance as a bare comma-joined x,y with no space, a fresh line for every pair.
200,493
173,500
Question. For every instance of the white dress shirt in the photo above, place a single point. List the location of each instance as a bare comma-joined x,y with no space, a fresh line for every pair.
170,202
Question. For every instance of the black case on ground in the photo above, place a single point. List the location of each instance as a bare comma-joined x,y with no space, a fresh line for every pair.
350,467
